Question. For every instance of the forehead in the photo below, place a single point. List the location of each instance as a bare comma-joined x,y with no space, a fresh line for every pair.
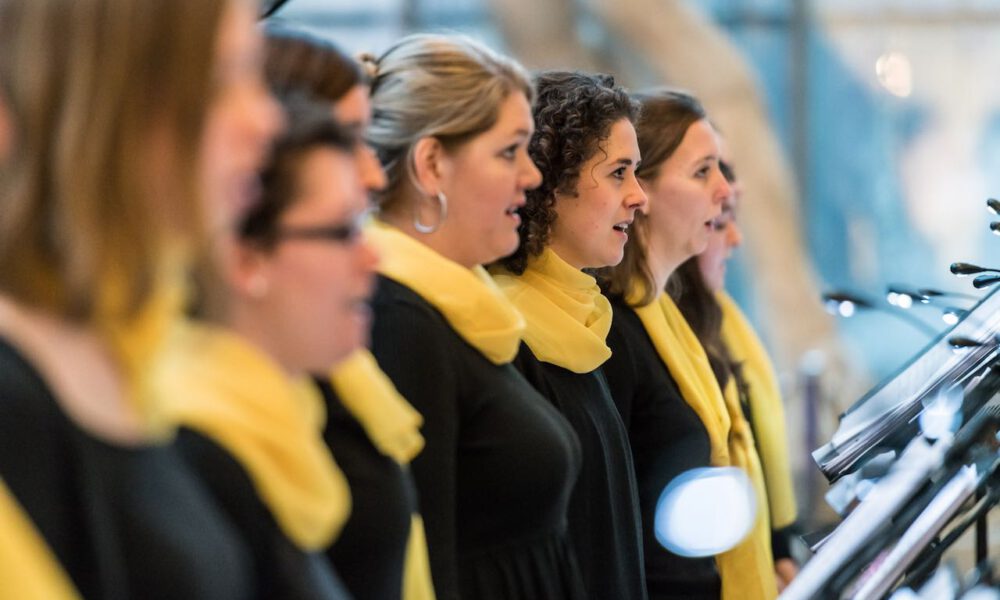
328,179
699,141
513,115
621,144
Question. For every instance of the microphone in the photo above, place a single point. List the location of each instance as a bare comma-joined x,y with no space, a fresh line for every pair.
845,304
987,280
995,227
965,269
993,205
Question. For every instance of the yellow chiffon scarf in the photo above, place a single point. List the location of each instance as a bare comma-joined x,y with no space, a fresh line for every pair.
393,426
766,409
228,390
747,571
28,568
567,317
388,419
468,298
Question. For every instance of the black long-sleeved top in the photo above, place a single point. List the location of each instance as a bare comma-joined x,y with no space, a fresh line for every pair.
495,476
667,438
124,522
370,552
604,518
282,569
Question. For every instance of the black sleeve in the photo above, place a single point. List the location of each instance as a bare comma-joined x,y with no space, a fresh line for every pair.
283,569
781,542
411,346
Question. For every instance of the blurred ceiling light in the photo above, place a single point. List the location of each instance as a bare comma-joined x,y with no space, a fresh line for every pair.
895,73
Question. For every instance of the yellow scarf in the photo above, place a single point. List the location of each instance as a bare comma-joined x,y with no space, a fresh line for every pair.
417,582
568,318
766,409
231,392
28,568
747,571
138,342
388,419
468,298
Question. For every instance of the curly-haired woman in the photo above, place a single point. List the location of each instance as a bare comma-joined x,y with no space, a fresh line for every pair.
585,146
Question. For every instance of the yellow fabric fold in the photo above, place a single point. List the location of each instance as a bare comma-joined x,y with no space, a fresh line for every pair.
417,582
747,571
388,419
468,298
766,409
567,317
28,568
228,390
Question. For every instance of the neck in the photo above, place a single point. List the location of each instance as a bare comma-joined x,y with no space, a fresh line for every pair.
437,240
248,323
562,252
662,261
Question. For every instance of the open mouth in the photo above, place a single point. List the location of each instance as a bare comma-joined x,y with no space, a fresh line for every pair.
512,211
622,227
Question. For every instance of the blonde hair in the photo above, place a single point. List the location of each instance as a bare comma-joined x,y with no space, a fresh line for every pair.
443,86
97,90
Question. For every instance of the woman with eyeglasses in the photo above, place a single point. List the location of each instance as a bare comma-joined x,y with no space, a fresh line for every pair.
578,220
134,127
451,124
372,431
736,352
677,415
296,269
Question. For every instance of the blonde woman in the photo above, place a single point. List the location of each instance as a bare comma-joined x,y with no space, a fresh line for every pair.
452,121
124,115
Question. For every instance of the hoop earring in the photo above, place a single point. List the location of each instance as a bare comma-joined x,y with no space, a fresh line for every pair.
442,214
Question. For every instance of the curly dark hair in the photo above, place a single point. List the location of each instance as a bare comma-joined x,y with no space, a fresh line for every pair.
574,113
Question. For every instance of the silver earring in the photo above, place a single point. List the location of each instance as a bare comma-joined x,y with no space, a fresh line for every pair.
442,214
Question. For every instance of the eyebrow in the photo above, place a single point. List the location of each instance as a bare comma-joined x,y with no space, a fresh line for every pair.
626,162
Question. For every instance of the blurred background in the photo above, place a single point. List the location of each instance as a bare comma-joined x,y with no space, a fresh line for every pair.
866,133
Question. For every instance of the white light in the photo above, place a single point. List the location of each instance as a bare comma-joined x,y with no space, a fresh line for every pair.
892,298
904,301
895,73
950,318
846,309
704,512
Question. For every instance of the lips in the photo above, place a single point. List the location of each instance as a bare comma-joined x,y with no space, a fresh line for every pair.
622,227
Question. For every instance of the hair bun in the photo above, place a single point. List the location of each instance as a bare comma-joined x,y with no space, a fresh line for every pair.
369,64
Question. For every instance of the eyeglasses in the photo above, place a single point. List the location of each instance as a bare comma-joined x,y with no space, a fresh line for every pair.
341,233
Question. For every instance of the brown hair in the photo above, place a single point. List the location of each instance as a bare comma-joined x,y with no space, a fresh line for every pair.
298,61
665,118
443,86
573,115
93,87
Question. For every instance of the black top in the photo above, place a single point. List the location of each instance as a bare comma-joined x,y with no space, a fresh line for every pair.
495,476
123,522
282,569
667,439
604,519
370,552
